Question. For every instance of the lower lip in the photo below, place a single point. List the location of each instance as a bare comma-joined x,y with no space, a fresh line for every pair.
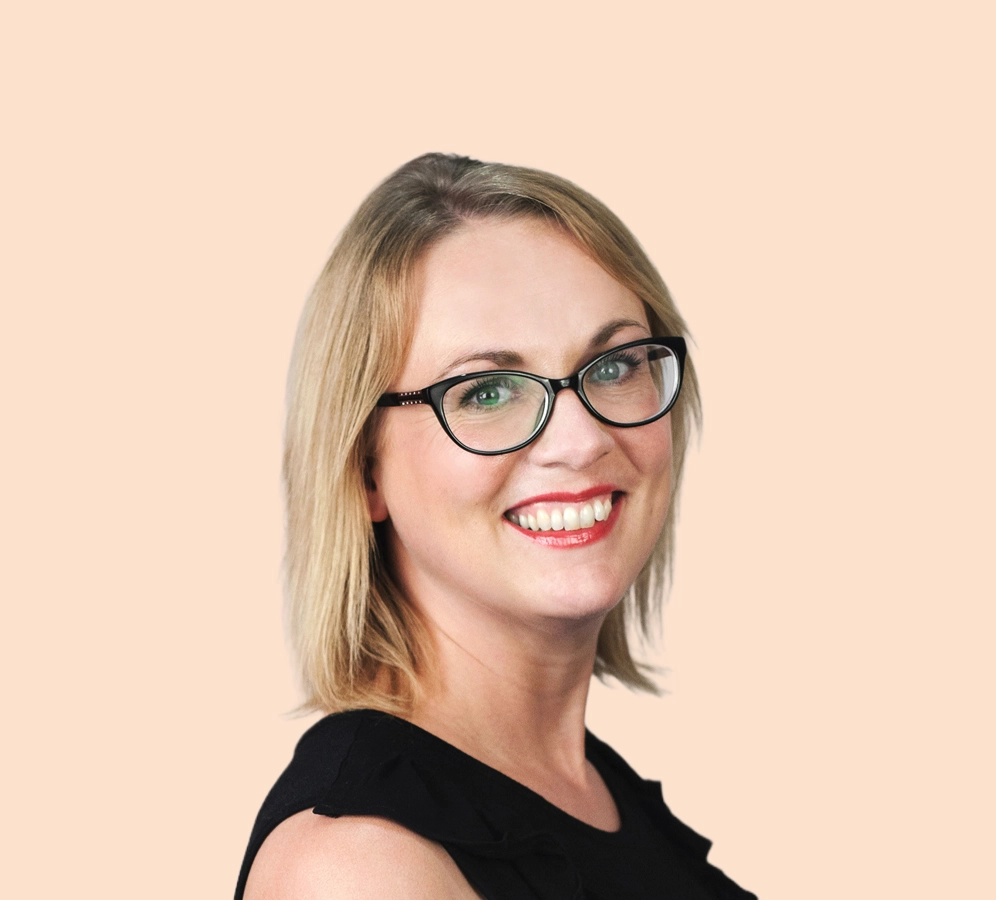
565,540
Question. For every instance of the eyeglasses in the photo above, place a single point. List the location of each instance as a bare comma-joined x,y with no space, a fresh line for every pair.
503,410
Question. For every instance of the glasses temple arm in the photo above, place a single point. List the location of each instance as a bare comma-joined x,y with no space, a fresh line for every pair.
404,398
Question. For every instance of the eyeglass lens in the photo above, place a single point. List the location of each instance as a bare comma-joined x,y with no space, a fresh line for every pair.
500,411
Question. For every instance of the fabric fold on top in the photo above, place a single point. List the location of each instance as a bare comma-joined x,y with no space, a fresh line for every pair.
430,804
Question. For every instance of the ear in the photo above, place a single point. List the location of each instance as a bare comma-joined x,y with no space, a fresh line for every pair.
375,498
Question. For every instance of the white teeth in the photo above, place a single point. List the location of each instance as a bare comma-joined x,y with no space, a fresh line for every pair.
563,518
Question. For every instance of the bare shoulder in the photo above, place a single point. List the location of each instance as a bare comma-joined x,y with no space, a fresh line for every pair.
309,857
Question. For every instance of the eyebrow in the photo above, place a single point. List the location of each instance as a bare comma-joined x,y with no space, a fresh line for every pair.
508,359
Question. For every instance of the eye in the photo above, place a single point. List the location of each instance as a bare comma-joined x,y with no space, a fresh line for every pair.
488,393
612,369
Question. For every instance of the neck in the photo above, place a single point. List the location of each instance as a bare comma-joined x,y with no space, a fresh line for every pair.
511,695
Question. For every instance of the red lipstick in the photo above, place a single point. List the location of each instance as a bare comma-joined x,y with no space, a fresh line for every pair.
565,497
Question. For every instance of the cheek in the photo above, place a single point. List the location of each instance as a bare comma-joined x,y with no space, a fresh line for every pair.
430,484
649,446
650,451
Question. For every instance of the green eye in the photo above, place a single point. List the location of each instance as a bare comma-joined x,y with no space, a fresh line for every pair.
610,370
487,396
492,393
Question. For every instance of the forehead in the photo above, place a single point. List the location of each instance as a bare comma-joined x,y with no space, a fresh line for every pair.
520,285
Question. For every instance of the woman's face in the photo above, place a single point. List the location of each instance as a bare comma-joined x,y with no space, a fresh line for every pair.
518,294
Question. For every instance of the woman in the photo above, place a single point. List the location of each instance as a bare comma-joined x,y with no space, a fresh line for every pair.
489,408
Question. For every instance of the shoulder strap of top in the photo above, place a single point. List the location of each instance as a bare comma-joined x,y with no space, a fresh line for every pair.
315,766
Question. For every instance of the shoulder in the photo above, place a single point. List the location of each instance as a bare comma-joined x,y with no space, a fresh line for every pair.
314,857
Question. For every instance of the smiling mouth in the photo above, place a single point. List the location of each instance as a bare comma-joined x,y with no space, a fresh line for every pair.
549,516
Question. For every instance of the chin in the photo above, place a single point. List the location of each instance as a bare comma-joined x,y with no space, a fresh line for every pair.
581,595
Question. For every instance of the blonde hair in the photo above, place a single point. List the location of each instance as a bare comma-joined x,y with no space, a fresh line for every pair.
357,640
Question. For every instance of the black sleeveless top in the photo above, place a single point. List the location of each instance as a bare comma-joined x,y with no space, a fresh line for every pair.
508,841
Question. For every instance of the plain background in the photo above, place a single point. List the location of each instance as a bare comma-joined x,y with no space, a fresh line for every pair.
815,182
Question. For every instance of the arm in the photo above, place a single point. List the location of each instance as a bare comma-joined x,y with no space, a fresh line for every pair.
309,857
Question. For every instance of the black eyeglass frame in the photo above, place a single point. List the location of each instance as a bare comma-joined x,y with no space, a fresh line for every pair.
433,394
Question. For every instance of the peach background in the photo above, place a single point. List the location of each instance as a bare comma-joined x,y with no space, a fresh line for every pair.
815,182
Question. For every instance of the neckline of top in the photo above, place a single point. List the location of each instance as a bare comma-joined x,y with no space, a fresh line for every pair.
609,780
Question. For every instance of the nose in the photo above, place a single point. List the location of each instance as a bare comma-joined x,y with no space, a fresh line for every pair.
573,437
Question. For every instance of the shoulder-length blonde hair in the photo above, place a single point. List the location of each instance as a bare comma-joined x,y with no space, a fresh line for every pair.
358,642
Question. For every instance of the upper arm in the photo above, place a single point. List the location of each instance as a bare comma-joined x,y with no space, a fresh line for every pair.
309,857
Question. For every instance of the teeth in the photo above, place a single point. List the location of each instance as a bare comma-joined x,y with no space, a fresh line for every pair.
562,517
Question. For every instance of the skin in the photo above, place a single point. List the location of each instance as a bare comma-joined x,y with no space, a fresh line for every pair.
514,624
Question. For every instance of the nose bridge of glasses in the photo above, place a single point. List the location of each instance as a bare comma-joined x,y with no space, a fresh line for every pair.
556,386
571,383
559,384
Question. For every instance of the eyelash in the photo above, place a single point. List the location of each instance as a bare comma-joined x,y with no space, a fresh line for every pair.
501,381
625,356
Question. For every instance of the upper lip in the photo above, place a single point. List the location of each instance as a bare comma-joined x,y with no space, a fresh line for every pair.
598,490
